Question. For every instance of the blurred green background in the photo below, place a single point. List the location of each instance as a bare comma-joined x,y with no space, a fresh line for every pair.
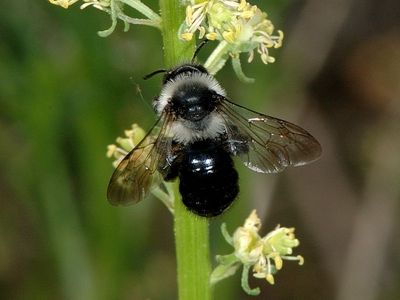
65,94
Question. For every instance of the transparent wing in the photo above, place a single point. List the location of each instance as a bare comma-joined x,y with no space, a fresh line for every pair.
266,144
134,176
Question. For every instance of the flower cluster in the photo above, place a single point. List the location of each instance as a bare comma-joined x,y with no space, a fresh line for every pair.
237,25
263,256
115,9
125,144
63,3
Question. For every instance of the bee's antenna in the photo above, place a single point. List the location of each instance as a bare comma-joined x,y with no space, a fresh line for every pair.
154,73
201,45
139,91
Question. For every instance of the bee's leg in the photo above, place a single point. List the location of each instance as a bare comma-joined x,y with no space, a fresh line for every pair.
171,172
236,143
171,167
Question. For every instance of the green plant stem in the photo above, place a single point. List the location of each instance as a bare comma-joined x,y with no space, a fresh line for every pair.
191,231
175,50
192,252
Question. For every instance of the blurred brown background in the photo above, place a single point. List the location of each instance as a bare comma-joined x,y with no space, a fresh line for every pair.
66,93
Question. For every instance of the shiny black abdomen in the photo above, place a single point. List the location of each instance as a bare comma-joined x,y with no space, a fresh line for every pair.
208,179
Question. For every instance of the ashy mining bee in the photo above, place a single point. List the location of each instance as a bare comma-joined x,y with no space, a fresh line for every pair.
198,132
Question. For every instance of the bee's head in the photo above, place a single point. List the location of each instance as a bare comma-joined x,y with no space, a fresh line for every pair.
189,92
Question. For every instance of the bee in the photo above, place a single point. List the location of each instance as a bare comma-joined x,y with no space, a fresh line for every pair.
198,133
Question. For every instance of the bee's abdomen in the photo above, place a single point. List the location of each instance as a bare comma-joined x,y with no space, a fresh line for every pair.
208,179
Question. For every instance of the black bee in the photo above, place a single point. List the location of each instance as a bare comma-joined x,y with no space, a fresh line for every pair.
198,132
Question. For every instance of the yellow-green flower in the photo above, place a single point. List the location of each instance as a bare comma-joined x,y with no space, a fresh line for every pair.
63,3
263,256
277,246
124,145
237,25
246,241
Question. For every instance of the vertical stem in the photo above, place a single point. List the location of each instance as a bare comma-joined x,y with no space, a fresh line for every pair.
191,232
192,253
175,50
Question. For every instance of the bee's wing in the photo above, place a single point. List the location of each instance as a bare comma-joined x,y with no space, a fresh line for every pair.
266,144
133,177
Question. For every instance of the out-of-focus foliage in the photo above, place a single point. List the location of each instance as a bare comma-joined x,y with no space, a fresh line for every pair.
65,94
